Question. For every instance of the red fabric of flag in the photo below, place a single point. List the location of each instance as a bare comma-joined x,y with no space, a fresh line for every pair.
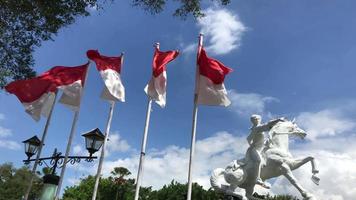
160,60
105,62
31,89
61,75
211,68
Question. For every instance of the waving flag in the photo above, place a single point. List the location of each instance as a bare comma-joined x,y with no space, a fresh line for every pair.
36,95
71,80
210,88
109,69
156,88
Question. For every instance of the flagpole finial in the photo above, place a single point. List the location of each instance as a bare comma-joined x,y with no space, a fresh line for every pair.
122,53
201,35
156,45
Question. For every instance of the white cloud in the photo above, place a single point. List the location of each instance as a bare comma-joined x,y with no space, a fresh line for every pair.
73,181
246,104
5,132
117,144
325,123
5,143
162,166
223,29
9,144
78,150
189,49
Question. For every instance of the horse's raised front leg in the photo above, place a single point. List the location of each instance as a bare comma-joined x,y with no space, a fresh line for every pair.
299,162
287,172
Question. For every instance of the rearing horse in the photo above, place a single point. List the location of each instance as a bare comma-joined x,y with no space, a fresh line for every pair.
240,175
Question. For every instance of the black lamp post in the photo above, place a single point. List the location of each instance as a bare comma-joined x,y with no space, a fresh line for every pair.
31,146
94,139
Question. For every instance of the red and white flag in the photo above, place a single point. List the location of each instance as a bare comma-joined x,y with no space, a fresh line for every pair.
71,81
36,95
156,88
109,69
210,87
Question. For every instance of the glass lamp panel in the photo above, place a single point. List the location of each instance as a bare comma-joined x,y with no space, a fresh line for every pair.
26,147
32,148
98,144
89,142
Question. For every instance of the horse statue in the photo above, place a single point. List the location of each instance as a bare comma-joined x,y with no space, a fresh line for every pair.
237,178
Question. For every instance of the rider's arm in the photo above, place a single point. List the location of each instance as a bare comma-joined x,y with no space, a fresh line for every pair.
267,126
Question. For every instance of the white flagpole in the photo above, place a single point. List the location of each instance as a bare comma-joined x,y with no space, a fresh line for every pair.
103,151
143,147
194,125
102,156
43,138
70,139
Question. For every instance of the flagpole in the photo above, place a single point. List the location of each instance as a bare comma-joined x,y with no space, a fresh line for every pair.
143,147
194,123
44,134
102,156
70,139
103,150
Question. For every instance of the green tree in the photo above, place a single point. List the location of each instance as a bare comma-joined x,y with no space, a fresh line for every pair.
119,187
178,191
14,182
114,187
24,24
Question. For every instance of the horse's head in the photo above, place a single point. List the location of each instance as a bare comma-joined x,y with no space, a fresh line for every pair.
289,128
281,131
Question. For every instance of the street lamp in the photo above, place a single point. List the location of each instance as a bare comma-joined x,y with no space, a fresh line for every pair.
31,146
94,139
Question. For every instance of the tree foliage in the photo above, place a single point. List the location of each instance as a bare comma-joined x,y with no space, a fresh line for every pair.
24,24
14,182
186,7
119,187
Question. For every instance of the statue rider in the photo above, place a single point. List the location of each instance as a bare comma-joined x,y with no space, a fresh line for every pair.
256,140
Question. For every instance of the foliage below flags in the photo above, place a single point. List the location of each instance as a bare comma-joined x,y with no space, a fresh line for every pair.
14,182
118,187
25,24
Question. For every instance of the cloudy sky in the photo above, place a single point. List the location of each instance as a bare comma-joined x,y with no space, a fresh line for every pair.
290,58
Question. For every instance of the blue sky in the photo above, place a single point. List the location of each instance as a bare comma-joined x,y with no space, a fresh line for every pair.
290,58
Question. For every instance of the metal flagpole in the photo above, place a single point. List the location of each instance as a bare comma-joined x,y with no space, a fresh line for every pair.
143,147
103,151
70,139
40,148
102,156
194,125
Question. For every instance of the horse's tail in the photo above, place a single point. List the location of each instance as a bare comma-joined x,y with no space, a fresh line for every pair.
217,179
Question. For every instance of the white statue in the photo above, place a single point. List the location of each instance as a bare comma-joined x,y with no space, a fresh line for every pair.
264,160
